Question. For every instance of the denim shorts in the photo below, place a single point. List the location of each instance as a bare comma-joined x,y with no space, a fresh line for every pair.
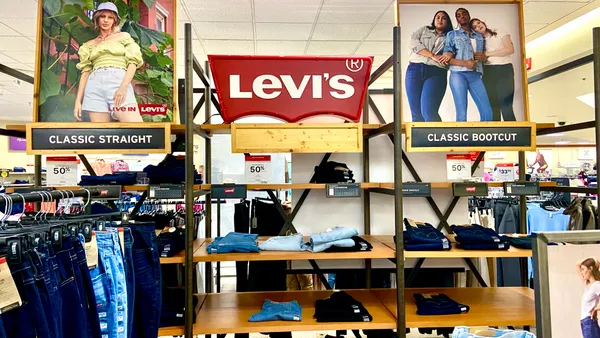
100,90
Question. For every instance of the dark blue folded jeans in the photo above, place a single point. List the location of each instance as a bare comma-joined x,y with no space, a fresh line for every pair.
148,281
29,320
590,328
475,233
438,304
410,246
423,233
484,245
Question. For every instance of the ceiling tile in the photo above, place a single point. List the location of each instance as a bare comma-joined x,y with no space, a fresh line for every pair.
331,47
224,30
7,31
531,28
548,12
280,47
229,47
12,43
20,9
351,14
281,31
356,32
24,57
350,3
372,48
381,32
388,16
6,59
25,26
233,14
290,12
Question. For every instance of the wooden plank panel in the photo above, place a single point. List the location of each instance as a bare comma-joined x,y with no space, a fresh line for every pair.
229,312
379,251
296,138
223,128
502,306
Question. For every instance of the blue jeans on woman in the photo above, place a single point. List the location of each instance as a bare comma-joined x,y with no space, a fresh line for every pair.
590,328
469,81
425,89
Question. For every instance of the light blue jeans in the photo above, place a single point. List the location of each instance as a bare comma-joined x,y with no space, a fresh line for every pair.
469,81
463,332
278,311
233,242
283,243
338,236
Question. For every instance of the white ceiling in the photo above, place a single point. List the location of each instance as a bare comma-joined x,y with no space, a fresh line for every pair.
281,27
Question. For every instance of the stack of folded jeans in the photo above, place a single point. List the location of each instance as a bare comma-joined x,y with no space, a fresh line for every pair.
271,311
360,244
171,242
170,170
424,237
521,242
476,237
173,307
466,332
333,172
109,179
438,304
284,243
340,307
338,236
234,242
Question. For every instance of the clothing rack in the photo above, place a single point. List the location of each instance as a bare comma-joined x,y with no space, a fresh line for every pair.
48,196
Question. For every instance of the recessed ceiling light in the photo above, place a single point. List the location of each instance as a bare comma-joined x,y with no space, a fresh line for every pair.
587,99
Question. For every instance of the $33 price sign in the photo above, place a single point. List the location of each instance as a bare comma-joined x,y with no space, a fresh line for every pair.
61,170
258,169
458,167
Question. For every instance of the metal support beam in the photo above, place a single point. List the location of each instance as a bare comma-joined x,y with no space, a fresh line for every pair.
523,218
139,204
596,42
564,129
366,193
381,70
14,133
199,104
207,179
475,272
16,74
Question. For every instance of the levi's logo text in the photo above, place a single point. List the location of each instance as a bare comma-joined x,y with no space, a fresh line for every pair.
471,189
290,88
145,109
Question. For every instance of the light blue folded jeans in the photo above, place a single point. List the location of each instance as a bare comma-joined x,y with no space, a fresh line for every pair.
338,236
463,332
284,243
271,311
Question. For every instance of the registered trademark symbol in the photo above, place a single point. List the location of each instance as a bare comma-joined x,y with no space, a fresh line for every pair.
354,65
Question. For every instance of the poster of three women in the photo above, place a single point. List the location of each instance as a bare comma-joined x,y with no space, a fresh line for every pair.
472,50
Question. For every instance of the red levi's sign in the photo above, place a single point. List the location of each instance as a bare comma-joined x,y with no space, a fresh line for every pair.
290,88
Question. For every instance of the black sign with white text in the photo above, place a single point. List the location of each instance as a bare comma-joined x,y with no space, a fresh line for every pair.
97,138
497,137
521,188
416,189
469,189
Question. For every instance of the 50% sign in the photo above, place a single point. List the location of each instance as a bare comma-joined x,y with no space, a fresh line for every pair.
258,168
61,170
458,167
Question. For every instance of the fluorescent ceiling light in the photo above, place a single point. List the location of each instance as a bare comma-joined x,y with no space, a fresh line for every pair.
562,142
587,99
586,142
565,29
556,135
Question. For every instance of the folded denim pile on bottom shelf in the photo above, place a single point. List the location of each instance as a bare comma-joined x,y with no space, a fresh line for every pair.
233,242
271,311
438,304
424,237
340,307
476,237
466,332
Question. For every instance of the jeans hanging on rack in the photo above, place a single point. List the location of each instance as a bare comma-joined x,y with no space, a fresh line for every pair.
129,277
29,320
55,283
148,281
73,306
47,290
507,221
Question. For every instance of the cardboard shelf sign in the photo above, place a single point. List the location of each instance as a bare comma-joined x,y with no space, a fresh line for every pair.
120,138
291,88
479,136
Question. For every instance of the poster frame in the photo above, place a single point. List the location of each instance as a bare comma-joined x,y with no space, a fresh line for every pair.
38,65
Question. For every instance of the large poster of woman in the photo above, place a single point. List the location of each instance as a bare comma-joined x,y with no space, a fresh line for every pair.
106,61
461,62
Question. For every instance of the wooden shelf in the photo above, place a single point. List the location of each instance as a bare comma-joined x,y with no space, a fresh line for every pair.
502,306
455,252
226,128
379,251
293,186
180,257
229,312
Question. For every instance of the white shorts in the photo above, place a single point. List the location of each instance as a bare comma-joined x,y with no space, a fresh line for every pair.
99,94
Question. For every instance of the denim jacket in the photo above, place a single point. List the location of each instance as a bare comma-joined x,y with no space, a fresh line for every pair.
426,38
459,44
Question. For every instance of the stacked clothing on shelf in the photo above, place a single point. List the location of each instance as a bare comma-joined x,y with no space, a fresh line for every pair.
521,242
338,236
340,307
466,332
333,172
272,311
476,237
360,244
423,237
106,284
233,242
338,239
438,304
170,170
109,179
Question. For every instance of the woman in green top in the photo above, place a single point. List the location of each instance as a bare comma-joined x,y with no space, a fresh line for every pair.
108,64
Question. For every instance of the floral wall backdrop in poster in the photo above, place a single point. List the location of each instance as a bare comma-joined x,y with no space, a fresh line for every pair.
107,61
461,62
